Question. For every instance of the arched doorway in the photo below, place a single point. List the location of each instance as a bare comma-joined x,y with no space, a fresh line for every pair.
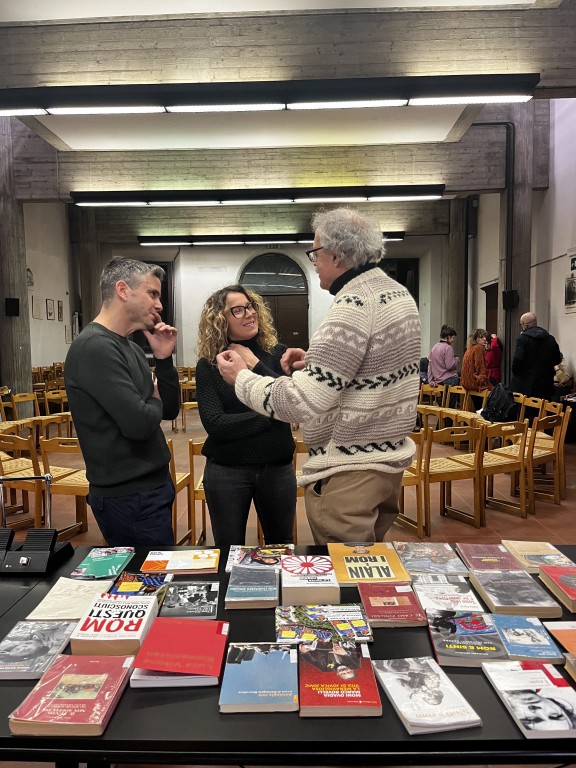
279,280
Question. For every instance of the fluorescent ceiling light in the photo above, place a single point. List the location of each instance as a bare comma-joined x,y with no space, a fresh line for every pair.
441,101
184,203
358,104
113,204
402,198
24,112
264,201
321,199
168,242
227,108
269,242
104,110
215,242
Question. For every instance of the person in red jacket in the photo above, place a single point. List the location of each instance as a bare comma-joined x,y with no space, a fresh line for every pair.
494,359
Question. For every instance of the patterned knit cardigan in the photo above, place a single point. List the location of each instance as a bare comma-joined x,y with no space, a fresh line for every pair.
357,393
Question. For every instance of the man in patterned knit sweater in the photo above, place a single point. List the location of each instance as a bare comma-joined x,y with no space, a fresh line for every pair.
355,389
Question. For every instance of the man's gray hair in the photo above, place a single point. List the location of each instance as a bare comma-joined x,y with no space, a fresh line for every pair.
345,232
129,270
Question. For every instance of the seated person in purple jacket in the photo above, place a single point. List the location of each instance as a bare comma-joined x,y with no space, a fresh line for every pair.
443,363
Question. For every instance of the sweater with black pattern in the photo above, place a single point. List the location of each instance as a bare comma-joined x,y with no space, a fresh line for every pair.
357,393
236,434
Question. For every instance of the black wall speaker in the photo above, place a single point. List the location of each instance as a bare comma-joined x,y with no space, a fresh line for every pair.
12,308
510,299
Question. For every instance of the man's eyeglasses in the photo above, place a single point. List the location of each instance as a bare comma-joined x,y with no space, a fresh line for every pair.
312,253
241,310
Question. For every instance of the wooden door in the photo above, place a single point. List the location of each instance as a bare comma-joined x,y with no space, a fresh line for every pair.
290,316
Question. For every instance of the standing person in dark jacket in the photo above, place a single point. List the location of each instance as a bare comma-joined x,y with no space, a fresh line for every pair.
249,456
534,359
117,405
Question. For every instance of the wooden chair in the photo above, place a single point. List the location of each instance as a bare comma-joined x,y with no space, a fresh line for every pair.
187,405
57,398
74,483
412,478
445,469
534,406
494,463
197,488
544,440
182,481
18,402
432,395
469,404
9,464
456,393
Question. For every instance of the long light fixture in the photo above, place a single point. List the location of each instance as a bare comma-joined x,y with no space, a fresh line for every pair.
300,238
242,96
288,196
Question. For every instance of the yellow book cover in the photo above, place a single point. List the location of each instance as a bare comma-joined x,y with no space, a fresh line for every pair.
359,562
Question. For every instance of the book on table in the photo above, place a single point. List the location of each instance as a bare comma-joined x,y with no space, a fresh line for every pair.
561,581
525,638
532,554
103,562
492,557
445,593
142,584
114,625
191,599
391,605
423,696
181,652
337,680
68,599
265,556
181,561
430,557
564,632
570,664
30,647
252,588
464,638
514,592
308,580
363,561
305,623
260,677
539,699
76,696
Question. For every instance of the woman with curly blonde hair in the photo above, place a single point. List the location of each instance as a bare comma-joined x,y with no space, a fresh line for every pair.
248,456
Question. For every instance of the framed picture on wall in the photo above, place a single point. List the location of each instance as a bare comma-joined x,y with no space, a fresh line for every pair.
50,309
570,294
60,311
36,307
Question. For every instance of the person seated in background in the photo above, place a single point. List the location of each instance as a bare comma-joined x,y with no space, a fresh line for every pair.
474,374
443,363
563,380
494,360
248,456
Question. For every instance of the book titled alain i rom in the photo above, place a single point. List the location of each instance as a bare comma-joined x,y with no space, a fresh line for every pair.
532,554
103,562
306,623
309,580
359,562
260,677
69,599
181,561
31,646
252,588
561,581
266,556
514,592
430,557
423,696
114,625
435,590
391,605
337,680
76,696
179,653
538,698
492,557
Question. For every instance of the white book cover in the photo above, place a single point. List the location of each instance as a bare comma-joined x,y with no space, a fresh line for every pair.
452,593
423,695
112,621
68,599
308,579
539,699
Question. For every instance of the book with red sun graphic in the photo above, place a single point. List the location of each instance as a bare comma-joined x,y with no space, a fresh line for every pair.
309,580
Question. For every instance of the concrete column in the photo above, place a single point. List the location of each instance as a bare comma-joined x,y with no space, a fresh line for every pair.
453,275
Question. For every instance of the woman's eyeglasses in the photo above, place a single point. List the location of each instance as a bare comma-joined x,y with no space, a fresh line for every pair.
240,311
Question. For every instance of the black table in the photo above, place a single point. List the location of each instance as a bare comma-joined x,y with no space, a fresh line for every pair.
184,725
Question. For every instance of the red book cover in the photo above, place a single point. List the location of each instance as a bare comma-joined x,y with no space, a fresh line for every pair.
563,577
493,557
184,646
75,697
337,679
391,604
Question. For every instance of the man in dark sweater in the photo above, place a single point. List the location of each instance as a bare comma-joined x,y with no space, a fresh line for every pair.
117,406
534,359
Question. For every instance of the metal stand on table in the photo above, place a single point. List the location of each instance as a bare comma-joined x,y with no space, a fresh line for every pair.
40,551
